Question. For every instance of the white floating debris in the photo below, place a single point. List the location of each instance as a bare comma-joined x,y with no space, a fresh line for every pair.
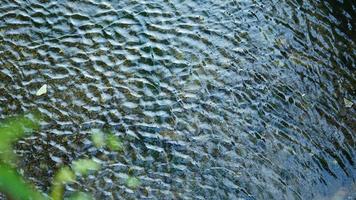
42,90
348,103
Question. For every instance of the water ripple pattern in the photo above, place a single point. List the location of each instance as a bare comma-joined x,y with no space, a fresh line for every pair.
215,99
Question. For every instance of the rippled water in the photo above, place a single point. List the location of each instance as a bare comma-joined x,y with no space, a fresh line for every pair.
215,99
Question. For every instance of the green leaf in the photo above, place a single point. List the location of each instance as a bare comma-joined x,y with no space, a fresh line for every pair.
13,129
84,166
114,143
14,186
42,90
133,182
11,183
65,175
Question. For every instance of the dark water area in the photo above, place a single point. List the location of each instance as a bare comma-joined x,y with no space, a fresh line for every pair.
215,99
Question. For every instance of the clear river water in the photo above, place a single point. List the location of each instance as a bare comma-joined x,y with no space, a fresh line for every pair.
214,99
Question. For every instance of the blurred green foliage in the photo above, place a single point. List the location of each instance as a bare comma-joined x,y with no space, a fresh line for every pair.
84,166
101,139
12,184
114,143
13,129
63,176
15,187
133,182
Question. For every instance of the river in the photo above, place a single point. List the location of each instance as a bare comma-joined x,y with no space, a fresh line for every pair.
214,99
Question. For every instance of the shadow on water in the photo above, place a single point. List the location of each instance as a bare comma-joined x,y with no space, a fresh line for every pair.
213,99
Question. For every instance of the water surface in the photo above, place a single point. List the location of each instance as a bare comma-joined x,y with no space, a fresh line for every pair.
215,99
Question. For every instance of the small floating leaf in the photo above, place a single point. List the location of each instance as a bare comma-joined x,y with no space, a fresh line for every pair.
98,138
83,166
133,182
348,103
42,90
